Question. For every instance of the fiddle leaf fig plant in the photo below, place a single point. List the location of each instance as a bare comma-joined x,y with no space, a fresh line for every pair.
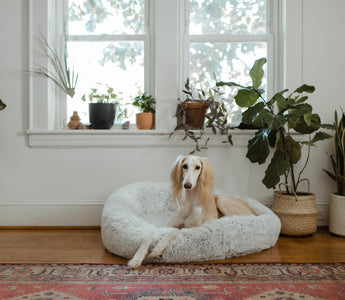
276,119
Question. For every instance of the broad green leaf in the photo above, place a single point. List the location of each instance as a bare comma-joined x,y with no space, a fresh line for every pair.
272,138
328,126
302,99
291,148
258,121
276,97
223,83
304,128
319,136
258,147
273,121
249,116
278,166
301,109
305,88
256,73
246,98
307,118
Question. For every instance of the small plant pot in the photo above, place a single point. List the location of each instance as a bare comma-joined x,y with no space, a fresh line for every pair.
337,215
102,115
297,213
193,114
145,120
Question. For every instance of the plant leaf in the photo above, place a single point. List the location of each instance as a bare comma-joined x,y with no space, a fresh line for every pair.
319,136
258,146
273,121
249,116
256,73
305,88
304,128
278,166
246,98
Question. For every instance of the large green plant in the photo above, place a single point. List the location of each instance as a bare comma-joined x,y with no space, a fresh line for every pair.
276,119
338,158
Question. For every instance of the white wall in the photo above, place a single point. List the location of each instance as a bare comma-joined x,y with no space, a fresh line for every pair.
69,186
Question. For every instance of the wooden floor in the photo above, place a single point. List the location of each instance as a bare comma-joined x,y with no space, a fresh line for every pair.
85,246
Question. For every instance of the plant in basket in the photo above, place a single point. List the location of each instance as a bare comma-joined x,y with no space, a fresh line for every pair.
337,200
202,109
278,120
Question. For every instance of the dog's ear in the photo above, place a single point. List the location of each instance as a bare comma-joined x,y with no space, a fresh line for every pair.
206,177
176,177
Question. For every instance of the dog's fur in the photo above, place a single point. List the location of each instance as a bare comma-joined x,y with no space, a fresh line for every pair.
192,180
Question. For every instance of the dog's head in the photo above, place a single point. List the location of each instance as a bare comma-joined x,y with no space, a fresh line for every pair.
190,172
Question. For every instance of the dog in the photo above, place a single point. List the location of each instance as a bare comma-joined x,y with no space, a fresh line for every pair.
192,179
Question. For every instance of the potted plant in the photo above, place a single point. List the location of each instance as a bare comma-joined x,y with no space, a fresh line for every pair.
147,106
202,109
102,112
337,200
60,72
277,119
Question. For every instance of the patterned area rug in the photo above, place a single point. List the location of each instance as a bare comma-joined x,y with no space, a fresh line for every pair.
163,282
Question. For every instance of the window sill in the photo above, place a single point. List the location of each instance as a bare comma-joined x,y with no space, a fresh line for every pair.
124,138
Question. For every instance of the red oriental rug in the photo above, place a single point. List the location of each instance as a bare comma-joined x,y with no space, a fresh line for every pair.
167,281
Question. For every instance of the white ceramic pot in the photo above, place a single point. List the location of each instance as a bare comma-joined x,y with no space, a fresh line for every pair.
337,215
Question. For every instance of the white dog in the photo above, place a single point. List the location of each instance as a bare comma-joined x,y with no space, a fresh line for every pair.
192,180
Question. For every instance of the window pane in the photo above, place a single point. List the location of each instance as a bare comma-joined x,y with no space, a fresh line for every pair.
117,64
106,17
224,16
228,62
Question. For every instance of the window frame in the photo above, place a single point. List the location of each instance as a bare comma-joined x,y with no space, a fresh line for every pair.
47,104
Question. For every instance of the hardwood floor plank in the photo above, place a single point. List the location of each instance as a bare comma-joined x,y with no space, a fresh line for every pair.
85,246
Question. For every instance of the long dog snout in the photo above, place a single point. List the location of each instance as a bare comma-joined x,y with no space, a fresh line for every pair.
187,185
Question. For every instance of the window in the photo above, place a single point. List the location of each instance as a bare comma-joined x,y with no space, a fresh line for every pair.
145,45
224,39
108,43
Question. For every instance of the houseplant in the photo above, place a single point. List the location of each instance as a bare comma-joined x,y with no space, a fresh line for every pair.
147,106
337,200
64,76
102,112
202,109
276,121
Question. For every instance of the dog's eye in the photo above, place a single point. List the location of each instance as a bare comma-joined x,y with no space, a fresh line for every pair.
185,167
197,168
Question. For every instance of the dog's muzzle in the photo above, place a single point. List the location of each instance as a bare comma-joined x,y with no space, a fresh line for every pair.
187,185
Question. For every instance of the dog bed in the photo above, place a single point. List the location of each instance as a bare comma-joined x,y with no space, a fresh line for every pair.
136,210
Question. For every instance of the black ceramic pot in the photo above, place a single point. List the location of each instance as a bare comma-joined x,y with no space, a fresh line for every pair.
102,115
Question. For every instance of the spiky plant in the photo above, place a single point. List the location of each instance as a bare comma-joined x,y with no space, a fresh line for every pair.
338,158
61,74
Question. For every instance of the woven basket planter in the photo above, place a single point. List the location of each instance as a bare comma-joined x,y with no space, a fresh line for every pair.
297,213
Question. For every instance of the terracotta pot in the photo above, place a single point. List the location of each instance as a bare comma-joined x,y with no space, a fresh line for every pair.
194,114
297,213
145,120
337,215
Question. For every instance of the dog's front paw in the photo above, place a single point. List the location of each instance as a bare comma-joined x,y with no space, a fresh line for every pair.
134,263
155,254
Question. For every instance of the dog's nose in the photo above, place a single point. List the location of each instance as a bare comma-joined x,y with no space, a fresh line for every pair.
187,185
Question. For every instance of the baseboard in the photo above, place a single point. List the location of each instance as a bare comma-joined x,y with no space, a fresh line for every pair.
76,214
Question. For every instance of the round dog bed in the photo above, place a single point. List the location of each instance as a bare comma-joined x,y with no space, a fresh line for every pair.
136,210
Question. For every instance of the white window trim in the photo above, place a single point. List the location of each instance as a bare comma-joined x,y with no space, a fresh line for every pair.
46,102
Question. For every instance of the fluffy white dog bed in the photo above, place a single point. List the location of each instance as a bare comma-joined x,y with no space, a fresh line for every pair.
134,211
